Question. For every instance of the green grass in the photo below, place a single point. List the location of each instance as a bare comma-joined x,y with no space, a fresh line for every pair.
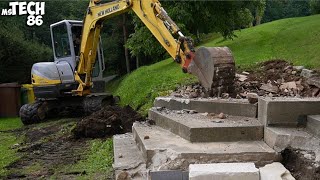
7,140
98,161
10,124
141,87
294,39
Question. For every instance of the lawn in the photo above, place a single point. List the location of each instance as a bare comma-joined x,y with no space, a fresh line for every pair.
294,39
8,140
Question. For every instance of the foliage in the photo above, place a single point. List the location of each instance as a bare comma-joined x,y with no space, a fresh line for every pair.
150,82
315,6
17,55
216,16
285,8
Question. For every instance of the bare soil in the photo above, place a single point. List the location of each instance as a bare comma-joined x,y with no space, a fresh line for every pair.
108,121
47,149
301,164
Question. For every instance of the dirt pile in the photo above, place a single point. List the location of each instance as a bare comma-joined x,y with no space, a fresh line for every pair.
274,78
108,121
301,164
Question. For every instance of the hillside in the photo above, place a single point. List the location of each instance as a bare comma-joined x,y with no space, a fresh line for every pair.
294,39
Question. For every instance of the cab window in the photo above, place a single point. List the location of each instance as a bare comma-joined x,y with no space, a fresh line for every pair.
61,41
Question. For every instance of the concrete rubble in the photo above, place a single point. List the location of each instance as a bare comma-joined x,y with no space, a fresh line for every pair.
275,171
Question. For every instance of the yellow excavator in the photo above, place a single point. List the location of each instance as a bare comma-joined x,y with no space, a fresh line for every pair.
71,83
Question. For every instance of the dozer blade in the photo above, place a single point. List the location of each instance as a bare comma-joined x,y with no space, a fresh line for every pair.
215,69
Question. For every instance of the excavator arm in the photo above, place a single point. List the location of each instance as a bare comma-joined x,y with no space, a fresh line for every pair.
151,14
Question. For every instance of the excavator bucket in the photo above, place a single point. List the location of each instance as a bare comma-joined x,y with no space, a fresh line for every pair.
215,69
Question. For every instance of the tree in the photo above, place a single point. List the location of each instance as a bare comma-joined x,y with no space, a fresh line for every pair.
260,8
193,18
315,6
285,8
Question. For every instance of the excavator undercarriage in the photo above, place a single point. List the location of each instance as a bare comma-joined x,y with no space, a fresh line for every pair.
43,109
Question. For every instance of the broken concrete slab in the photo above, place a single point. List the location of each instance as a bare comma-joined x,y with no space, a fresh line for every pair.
286,111
313,124
315,80
201,128
128,160
229,171
275,171
270,88
298,68
280,138
298,138
235,107
164,150
241,77
307,73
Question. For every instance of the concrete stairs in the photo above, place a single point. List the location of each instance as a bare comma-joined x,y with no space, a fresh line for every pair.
164,150
179,137
188,131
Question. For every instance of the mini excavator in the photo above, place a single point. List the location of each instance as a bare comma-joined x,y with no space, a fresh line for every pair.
73,80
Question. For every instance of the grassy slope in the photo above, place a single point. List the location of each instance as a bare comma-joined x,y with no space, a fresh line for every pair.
294,39
7,140
141,87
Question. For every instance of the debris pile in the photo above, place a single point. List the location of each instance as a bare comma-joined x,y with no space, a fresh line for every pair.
274,78
108,121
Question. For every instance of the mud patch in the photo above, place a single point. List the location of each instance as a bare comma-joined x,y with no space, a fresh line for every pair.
45,150
301,164
108,121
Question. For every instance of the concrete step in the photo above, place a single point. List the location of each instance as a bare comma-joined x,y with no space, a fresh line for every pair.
282,111
164,150
235,107
128,160
280,138
313,124
201,128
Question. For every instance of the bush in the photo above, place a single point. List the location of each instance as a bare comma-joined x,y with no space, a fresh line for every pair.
17,55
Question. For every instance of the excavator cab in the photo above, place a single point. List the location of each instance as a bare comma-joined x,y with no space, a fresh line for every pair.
66,40
57,79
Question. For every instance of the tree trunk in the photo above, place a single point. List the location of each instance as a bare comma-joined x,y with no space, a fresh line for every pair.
126,53
137,62
258,16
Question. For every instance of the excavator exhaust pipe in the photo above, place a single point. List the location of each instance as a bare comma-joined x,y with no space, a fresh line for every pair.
215,69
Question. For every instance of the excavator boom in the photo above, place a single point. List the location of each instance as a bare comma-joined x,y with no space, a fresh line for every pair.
156,19
66,83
